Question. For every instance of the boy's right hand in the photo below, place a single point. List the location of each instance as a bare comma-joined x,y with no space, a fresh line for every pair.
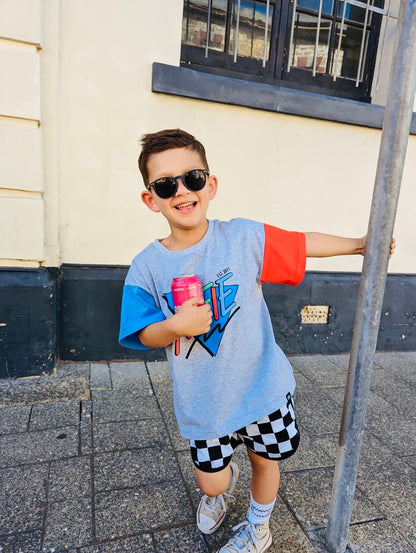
194,317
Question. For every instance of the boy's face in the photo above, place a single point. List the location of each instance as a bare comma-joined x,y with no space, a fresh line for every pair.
186,209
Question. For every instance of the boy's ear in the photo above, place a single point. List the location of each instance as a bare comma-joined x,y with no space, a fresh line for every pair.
149,201
213,186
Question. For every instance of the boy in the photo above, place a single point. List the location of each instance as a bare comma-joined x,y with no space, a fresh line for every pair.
232,384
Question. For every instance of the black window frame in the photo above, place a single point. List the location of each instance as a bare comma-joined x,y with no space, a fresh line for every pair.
276,69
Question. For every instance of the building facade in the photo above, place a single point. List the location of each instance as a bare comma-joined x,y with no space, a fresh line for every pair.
288,99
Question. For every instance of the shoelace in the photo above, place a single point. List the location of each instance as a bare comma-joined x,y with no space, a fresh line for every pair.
218,501
246,536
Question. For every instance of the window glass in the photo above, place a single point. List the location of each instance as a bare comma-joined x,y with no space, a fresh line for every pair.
251,25
327,5
218,25
194,27
304,41
346,60
354,13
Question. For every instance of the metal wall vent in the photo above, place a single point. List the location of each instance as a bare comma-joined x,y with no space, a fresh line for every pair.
314,314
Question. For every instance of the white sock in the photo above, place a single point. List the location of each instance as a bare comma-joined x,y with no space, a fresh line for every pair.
258,513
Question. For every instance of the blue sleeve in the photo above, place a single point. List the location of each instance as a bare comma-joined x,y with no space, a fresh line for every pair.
138,310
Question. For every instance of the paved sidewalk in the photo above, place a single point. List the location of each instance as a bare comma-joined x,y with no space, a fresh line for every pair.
91,461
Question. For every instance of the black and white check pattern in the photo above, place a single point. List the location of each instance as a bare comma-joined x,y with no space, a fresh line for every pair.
275,436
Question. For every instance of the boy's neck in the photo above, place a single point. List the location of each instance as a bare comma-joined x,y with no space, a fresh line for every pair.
181,239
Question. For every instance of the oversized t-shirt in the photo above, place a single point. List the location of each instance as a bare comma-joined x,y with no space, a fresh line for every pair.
234,374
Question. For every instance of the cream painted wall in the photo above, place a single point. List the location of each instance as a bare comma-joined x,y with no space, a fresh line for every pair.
20,20
96,102
21,178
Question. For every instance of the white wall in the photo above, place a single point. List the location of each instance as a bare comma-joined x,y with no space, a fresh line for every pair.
96,101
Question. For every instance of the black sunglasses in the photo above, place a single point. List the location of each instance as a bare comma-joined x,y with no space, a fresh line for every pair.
166,187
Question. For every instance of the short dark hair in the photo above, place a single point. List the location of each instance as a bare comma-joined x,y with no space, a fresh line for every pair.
167,139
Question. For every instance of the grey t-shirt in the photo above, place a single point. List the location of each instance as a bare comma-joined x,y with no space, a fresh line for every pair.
236,373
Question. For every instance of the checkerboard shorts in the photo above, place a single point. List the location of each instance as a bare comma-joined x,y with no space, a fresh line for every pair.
275,437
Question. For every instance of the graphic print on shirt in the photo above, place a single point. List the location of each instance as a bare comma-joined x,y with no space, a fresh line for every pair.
221,297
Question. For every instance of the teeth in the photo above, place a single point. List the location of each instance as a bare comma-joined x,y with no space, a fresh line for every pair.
180,206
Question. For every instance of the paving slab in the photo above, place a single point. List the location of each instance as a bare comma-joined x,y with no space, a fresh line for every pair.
127,376
303,382
396,390
109,406
288,536
308,455
158,371
68,524
100,377
327,375
306,363
400,361
39,446
308,493
21,543
136,544
127,469
317,412
23,498
124,512
70,479
384,420
14,419
68,381
54,415
378,537
410,460
117,436
189,537
163,391
405,524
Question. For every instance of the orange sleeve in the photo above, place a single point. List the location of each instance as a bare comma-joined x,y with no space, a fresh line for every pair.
284,258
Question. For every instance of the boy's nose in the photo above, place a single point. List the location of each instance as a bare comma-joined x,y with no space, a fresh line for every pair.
181,187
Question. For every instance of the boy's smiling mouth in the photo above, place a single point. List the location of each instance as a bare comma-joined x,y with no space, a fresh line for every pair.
185,205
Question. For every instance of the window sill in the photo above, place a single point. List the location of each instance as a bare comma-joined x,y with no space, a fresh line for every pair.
181,81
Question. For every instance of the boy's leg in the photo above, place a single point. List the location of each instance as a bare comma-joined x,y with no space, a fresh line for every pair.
265,482
216,475
265,478
213,483
218,487
253,533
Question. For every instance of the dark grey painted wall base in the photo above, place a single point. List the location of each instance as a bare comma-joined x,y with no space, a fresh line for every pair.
73,314
28,321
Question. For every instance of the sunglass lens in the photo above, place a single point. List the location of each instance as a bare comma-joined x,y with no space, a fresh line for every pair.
165,188
195,180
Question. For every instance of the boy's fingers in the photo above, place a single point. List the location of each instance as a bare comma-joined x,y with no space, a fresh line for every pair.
194,301
392,246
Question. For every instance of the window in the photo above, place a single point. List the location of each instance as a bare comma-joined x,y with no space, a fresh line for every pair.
326,46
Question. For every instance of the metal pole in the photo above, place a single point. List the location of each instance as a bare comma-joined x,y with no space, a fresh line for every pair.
391,160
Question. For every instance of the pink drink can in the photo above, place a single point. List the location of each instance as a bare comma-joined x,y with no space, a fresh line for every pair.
184,288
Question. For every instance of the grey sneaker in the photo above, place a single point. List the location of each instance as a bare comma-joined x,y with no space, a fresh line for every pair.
249,538
211,510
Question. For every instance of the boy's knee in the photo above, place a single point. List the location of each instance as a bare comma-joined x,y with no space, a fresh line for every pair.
213,483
